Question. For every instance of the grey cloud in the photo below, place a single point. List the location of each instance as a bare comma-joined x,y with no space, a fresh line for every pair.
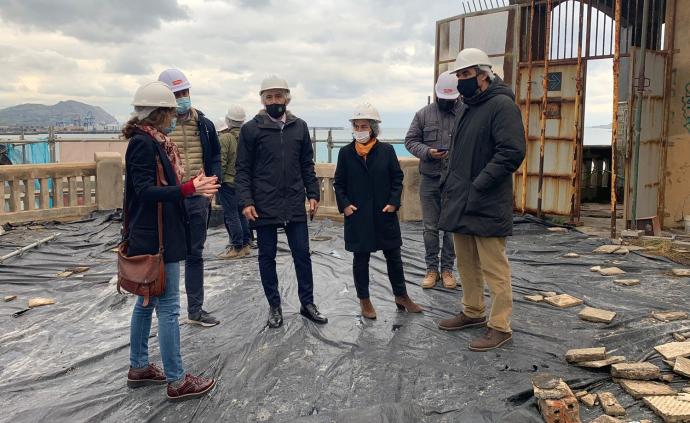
129,63
96,21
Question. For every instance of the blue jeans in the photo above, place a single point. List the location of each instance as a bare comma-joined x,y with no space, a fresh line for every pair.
235,222
167,308
430,198
298,240
197,212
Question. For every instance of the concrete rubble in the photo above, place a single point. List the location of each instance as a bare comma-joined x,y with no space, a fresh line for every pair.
563,301
669,316
596,315
555,399
637,371
627,282
682,366
585,354
610,404
642,388
672,409
673,350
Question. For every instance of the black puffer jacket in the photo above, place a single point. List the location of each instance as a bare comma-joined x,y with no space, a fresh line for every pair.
488,146
275,169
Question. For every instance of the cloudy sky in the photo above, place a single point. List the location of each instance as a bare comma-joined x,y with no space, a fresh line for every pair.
333,54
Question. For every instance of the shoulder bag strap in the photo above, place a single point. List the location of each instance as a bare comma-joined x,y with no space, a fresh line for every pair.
159,176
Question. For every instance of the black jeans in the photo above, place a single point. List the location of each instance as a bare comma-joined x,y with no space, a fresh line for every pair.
197,212
298,240
360,271
235,222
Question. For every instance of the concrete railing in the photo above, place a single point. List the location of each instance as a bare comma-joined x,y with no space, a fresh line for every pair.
410,209
40,192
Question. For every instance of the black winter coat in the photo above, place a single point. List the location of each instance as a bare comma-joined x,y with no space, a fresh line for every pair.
275,169
142,197
369,185
488,146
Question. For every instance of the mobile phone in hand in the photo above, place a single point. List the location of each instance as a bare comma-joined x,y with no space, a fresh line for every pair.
441,150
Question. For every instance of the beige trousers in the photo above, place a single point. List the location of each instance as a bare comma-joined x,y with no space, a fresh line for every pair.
484,259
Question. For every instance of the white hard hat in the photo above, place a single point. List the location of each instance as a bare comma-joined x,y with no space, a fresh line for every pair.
447,86
470,57
221,125
366,111
154,94
175,80
236,113
273,82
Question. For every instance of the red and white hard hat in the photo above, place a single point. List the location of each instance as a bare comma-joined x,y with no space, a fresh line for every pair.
175,80
447,86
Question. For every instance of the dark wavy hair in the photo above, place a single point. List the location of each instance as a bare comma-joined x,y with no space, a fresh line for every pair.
155,119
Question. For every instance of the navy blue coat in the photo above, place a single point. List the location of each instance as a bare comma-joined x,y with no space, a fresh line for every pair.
369,185
142,197
275,169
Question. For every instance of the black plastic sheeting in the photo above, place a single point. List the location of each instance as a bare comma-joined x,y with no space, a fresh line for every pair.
68,361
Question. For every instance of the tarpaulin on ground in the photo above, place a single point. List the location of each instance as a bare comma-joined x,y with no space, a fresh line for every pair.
68,361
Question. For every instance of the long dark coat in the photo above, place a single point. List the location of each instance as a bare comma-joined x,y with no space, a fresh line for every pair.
488,146
369,185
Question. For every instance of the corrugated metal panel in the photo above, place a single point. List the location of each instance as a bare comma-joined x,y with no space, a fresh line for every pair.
649,172
560,141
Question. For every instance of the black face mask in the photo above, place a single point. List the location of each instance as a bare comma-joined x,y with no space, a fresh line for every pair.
444,104
275,110
468,87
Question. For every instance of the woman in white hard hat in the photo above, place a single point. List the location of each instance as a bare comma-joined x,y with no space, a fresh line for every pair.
368,184
153,117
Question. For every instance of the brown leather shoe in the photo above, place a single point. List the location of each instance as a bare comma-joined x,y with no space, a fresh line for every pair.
492,339
448,279
461,321
367,308
150,375
192,387
430,279
404,302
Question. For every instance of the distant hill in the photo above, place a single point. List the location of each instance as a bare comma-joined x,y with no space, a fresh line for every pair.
62,112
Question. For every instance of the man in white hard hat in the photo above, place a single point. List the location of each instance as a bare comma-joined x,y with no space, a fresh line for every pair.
428,139
197,140
235,222
477,196
275,174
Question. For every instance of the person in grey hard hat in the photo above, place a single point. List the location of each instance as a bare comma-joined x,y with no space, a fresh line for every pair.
477,196
428,139
235,222
196,138
275,175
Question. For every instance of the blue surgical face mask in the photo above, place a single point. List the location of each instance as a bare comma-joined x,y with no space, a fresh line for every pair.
183,105
172,126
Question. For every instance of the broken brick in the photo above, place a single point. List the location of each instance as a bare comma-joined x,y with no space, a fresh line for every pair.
38,302
563,301
597,364
589,400
669,316
611,271
596,315
536,298
606,419
682,366
637,371
566,410
673,350
585,354
561,390
671,409
610,404
627,282
642,388
681,272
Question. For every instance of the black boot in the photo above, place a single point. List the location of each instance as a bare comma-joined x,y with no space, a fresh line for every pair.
275,317
312,313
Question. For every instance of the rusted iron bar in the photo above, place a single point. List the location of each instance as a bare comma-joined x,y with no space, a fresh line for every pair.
578,121
545,95
669,40
528,106
614,125
638,110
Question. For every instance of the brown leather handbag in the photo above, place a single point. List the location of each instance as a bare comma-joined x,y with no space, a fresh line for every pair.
142,275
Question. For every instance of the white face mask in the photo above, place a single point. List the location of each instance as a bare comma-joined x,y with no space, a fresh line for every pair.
361,136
